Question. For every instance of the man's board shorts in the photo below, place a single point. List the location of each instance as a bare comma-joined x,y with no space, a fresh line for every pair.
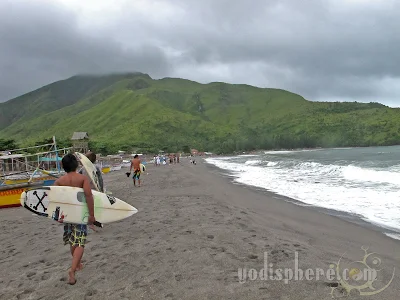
75,234
136,174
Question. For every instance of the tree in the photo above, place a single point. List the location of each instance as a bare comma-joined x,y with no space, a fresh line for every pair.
7,144
186,149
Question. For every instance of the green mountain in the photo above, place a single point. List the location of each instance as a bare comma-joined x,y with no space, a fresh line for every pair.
134,111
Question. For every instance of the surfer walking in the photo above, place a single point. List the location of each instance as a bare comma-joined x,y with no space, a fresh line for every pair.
92,157
75,234
135,165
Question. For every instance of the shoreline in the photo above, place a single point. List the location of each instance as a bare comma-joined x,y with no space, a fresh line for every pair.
343,215
246,152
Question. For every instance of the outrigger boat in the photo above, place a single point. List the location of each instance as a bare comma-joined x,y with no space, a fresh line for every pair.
20,171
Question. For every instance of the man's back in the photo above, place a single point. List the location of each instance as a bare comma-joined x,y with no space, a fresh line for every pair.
71,179
136,163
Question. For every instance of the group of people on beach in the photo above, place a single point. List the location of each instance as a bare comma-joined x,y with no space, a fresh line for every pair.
164,159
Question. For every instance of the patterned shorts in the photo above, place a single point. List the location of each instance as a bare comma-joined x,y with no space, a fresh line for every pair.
75,234
136,174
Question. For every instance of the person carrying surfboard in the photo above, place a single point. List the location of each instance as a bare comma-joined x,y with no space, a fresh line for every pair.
135,164
92,157
75,234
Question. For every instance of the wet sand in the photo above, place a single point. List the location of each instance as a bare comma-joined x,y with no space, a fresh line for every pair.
192,234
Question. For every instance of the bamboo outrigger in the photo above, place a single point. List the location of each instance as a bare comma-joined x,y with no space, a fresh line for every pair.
20,171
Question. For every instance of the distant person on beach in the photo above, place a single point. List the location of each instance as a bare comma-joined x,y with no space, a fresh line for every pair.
135,164
75,234
92,157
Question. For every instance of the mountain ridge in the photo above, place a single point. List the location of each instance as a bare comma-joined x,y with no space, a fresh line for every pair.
134,111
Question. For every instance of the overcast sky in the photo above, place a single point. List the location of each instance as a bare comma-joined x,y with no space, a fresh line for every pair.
346,50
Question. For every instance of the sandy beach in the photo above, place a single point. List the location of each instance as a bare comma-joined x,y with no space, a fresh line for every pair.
194,232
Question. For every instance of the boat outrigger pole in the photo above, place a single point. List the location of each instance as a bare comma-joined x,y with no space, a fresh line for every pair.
57,161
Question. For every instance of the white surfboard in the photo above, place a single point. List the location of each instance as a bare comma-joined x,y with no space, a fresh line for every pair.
90,169
68,204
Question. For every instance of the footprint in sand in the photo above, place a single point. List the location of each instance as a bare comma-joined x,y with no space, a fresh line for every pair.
30,274
178,277
91,293
25,292
45,276
243,226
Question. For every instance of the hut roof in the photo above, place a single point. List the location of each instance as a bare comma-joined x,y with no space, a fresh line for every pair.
80,136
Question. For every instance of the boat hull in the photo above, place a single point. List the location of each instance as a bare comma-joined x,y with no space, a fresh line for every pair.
25,180
106,170
10,198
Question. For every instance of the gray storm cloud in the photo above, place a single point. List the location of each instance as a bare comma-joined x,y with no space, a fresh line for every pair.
323,50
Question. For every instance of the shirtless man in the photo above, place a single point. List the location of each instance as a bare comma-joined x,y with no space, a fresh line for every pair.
135,164
75,234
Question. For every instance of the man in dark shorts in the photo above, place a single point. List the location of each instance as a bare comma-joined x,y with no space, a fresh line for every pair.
135,165
75,234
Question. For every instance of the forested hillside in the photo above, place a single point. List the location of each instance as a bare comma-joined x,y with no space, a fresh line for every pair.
135,112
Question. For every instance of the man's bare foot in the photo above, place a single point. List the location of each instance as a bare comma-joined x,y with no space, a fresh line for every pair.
91,226
80,267
71,277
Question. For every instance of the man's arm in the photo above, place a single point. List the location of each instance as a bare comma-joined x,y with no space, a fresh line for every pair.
89,199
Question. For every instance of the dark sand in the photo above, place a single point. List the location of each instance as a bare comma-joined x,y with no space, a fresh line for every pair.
193,231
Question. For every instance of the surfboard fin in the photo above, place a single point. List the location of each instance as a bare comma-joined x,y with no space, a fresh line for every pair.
98,224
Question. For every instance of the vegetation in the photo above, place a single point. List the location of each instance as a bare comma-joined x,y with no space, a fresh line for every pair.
133,112
7,144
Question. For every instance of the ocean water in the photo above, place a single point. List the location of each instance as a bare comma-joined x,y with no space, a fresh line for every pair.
361,181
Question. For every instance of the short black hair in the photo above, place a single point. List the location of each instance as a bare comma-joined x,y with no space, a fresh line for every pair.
136,156
91,156
69,163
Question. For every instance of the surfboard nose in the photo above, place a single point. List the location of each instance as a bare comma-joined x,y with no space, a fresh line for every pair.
22,198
